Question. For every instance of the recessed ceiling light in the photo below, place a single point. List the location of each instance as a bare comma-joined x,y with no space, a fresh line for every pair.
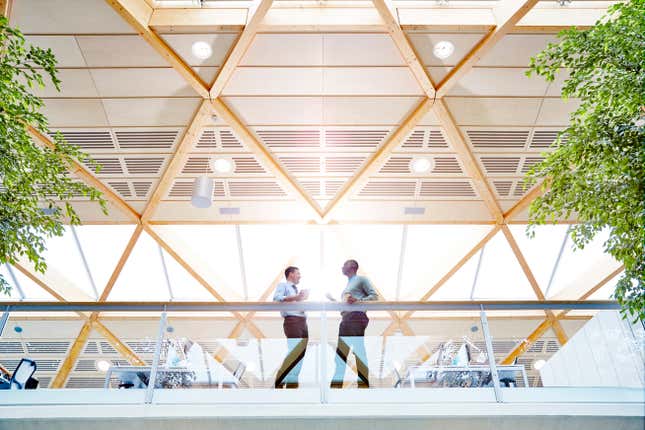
102,365
443,49
202,50
421,165
538,364
223,165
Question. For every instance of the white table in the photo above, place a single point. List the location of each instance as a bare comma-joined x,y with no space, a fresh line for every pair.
221,380
424,373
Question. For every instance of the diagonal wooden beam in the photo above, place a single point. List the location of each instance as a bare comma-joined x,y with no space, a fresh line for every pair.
122,260
138,13
557,327
470,163
380,156
81,172
5,8
547,323
203,282
262,153
507,14
455,268
178,159
410,57
72,356
71,359
117,344
598,286
240,48
536,191
265,294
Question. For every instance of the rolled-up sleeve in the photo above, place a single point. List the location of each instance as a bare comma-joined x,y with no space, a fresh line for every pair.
280,293
368,289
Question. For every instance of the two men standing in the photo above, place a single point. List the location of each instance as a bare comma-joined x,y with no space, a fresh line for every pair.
350,332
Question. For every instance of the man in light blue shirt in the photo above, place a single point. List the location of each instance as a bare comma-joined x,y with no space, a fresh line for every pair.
352,327
295,329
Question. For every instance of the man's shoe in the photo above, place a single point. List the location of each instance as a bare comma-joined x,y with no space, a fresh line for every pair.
336,384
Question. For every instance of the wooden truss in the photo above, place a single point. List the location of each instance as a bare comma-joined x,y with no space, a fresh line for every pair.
506,17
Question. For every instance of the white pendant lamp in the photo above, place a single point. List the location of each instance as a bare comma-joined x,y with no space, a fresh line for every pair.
202,192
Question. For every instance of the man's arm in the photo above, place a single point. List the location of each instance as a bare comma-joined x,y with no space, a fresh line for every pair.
280,293
369,290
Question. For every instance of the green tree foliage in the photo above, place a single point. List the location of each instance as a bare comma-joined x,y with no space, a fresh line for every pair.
32,178
596,173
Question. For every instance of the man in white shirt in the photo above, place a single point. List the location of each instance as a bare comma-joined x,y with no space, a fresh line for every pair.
295,329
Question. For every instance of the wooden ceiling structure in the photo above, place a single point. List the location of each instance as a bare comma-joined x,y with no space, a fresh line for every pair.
321,105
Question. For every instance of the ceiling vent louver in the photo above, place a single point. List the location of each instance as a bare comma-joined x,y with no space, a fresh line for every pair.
255,189
90,141
288,139
446,189
500,164
146,140
388,189
354,139
143,165
343,165
492,139
503,188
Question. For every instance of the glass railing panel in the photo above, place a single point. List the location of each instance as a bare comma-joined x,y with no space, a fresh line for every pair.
570,348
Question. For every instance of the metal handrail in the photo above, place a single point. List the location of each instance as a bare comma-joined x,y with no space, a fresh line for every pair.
469,305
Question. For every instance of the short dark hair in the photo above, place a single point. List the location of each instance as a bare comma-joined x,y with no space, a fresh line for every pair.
354,264
288,270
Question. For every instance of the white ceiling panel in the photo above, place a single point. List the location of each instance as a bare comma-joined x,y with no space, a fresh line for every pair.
119,51
424,44
74,113
182,44
140,83
360,49
516,50
150,112
330,81
65,48
275,81
499,82
277,110
284,50
75,83
67,17
207,74
371,81
493,111
437,74
429,119
309,110
557,111
368,110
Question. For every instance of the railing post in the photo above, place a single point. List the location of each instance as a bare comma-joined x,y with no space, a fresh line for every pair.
491,356
155,361
324,388
4,319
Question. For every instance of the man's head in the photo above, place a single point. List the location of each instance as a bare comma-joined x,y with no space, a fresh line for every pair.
292,274
350,268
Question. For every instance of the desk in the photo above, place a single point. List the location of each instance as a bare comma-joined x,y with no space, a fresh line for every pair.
139,376
458,376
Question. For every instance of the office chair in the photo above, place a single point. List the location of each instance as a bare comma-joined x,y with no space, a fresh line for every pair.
22,376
